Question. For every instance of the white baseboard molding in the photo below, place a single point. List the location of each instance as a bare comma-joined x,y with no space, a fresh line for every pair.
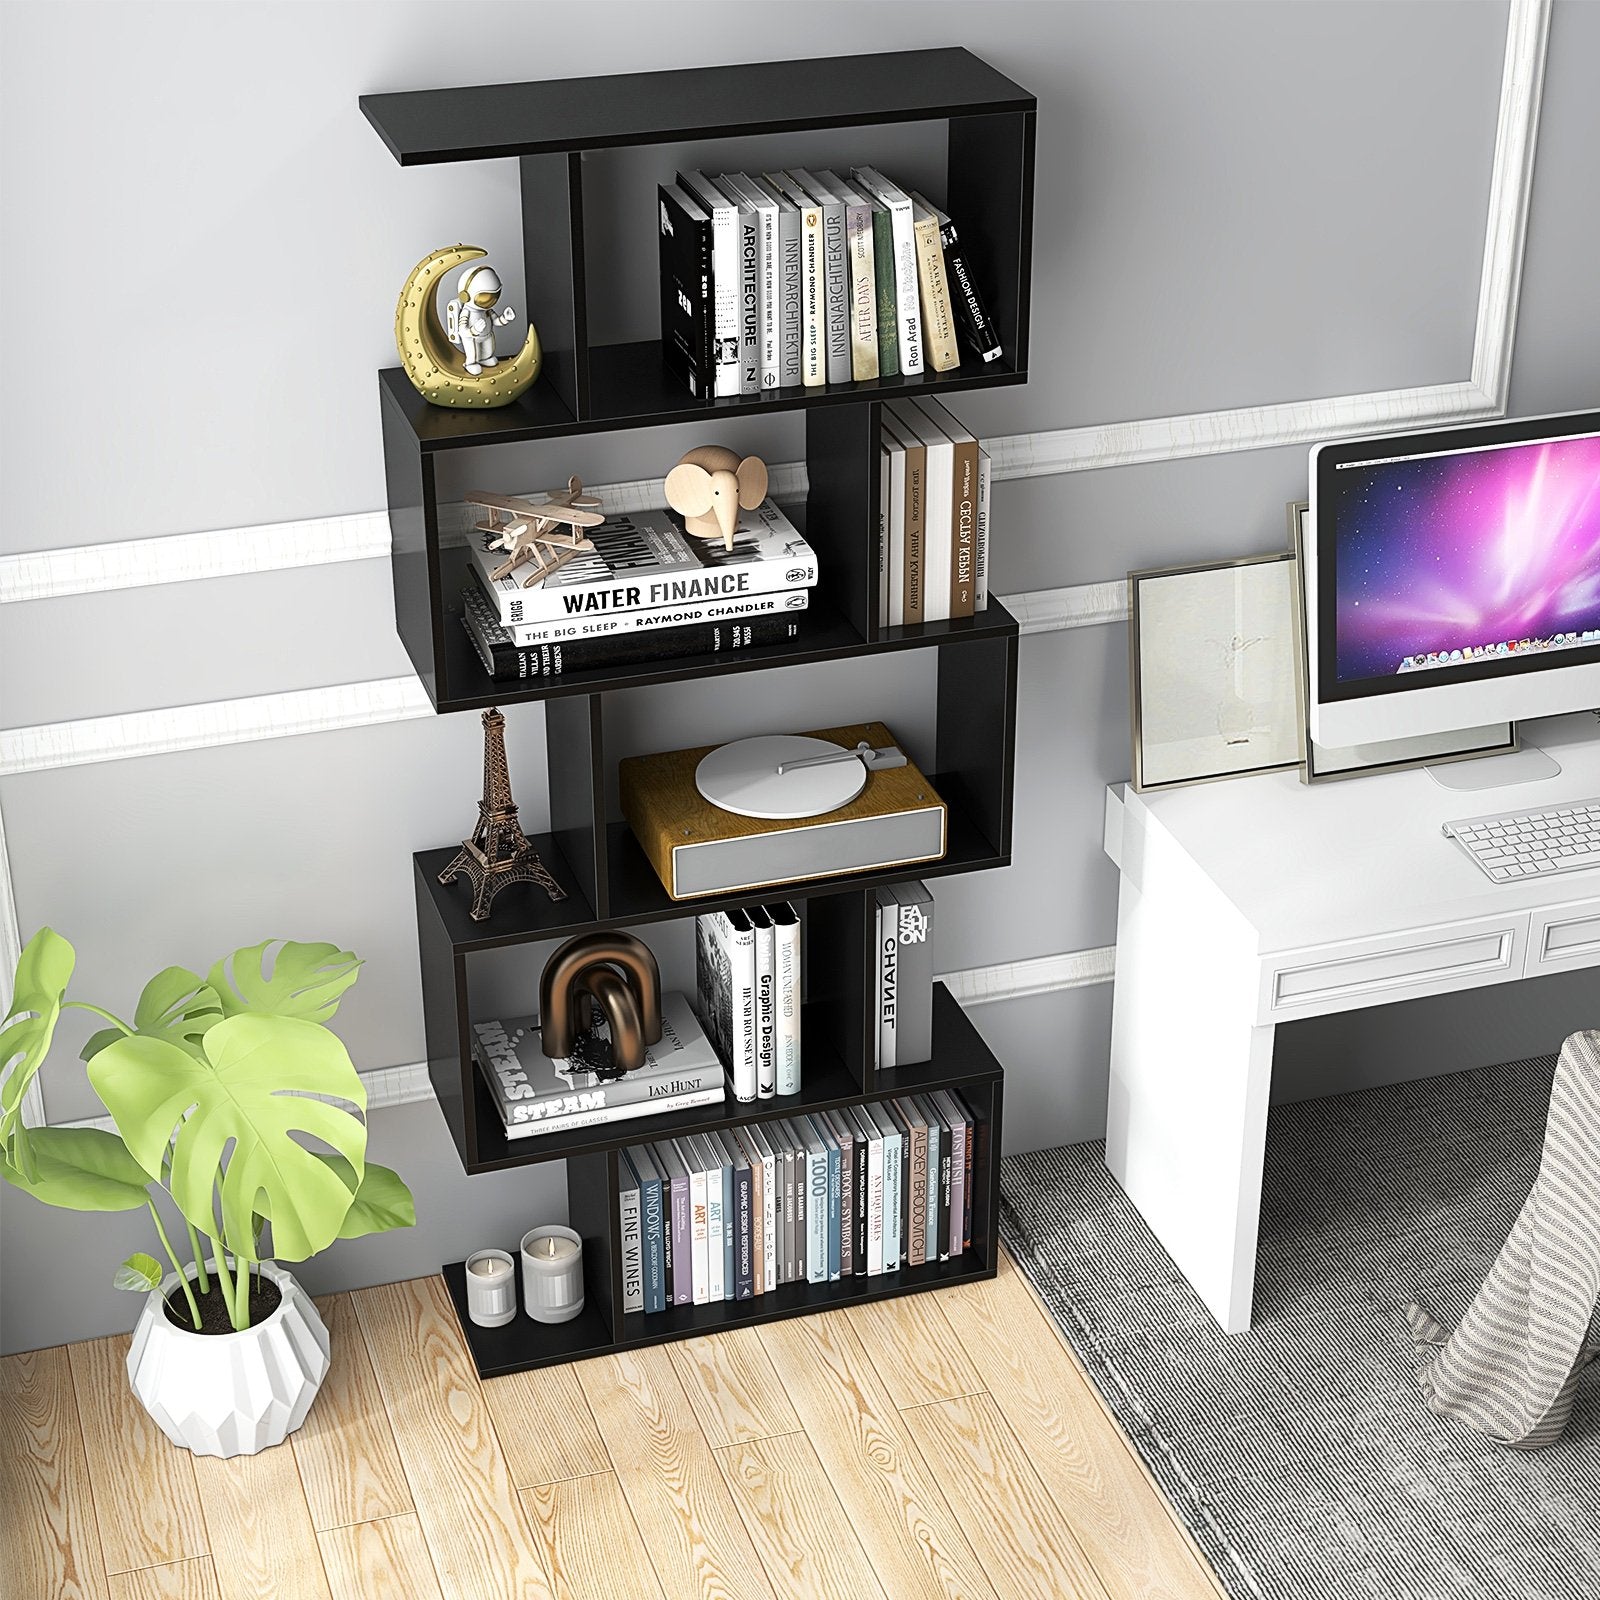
1015,980
1083,605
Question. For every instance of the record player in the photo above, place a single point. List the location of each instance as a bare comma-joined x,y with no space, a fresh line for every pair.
780,809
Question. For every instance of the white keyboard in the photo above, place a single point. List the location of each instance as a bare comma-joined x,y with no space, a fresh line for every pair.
1532,844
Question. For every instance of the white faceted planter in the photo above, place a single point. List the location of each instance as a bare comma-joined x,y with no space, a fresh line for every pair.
230,1394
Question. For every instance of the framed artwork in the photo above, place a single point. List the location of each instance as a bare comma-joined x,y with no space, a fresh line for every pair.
1215,658
1324,763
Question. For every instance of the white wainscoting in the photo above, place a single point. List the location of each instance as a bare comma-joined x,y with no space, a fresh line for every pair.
50,574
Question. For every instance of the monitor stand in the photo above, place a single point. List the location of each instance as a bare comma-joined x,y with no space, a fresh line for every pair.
1527,765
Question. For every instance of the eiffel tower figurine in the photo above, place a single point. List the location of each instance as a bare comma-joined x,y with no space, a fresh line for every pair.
498,852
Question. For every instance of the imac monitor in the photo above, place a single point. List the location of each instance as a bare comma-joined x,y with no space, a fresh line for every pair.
1453,578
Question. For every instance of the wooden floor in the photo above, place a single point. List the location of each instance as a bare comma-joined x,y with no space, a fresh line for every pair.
936,1445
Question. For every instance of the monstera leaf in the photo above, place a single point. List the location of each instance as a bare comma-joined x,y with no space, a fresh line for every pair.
251,1092
43,971
380,1200
177,1005
139,1272
306,981
79,1169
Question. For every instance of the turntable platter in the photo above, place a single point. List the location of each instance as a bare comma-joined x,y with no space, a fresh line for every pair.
743,777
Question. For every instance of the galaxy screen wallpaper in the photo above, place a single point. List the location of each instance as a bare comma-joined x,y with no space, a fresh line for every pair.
1446,560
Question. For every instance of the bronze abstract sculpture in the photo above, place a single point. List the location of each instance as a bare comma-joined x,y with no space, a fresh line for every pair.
498,852
582,983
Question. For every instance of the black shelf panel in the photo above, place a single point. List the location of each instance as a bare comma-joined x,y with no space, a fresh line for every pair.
521,912
960,1056
466,685
491,121
522,1342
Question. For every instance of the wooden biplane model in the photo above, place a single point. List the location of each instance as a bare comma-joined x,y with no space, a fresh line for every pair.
549,534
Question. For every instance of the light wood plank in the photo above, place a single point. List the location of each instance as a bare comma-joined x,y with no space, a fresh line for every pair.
591,1541
908,1532
178,1580
346,1453
1123,1524
1025,1543
681,1505
49,1544
263,1546
544,1426
795,1520
917,1355
732,1387
383,1560
459,1479
144,1495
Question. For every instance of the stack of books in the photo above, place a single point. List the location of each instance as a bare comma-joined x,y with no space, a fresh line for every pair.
536,1094
904,971
800,278
933,516
749,996
648,591
740,1212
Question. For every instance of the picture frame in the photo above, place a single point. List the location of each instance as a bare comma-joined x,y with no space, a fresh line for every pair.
1330,764
1214,655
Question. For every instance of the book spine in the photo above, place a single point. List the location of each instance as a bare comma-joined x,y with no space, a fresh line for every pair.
613,624
835,1213
858,1250
906,290
964,530
813,295
635,1089
893,1188
917,1194
916,570
947,1167
888,981
699,1222
771,306
974,326
971,1166
817,1216
758,1213
685,261
789,292
938,523
716,1235
766,1009
504,662
802,1182
958,1169
652,1221
725,297
980,582
836,290
682,1243
939,327
745,1066
931,1178
884,463
609,1114
632,1248
790,1203
749,301
847,1201
771,1214
730,1229
790,993
863,293
914,999
744,1258
885,299
875,1204
896,553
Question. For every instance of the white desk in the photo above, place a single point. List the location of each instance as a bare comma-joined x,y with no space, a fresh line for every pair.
1255,901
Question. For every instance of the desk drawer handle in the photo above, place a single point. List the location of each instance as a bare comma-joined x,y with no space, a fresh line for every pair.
1388,969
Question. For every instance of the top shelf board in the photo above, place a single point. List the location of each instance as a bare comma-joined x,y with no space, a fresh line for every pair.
427,126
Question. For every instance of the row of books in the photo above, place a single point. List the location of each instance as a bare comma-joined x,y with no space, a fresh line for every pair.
748,983
933,516
537,1094
904,974
801,278
647,590
740,1212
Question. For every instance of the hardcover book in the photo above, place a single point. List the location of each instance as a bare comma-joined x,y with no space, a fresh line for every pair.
980,596
909,533
652,1215
764,210
724,216
907,287
914,999
813,279
791,996
740,1275
886,301
938,318
725,983
766,1002
888,966
937,507
669,1158
844,1137
632,1240
860,277
788,282
688,336
964,508
974,326
836,274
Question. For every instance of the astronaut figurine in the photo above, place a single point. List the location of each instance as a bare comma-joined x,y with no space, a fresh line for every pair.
470,320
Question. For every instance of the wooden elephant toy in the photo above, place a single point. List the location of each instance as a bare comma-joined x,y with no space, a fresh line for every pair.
711,486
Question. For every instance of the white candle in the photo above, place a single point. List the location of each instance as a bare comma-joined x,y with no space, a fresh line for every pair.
491,1288
552,1274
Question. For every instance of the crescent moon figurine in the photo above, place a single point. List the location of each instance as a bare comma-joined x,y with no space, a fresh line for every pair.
436,369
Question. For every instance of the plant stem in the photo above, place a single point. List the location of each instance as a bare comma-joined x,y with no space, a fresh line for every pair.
242,1320
83,1005
224,1279
183,1277
199,1257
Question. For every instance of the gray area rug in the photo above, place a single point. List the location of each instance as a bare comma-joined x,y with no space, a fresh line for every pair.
1300,1455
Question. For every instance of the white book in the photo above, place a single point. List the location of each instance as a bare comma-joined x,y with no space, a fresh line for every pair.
888,966
899,206
788,282
608,1114
938,539
766,1002
725,988
869,1130
791,996
557,630
771,1204
710,1157
836,273
724,216
894,442
860,278
699,1265
813,280
816,1170
884,510
765,210
893,1184
965,491
632,1242
980,588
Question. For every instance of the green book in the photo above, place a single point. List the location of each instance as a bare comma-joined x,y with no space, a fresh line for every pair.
888,302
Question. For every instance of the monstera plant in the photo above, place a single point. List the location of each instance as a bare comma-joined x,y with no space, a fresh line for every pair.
235,1107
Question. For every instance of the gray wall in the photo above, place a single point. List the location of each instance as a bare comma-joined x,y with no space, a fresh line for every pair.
1229,212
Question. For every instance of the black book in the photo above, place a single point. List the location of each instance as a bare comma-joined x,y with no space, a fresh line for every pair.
688,333
503,658
974,326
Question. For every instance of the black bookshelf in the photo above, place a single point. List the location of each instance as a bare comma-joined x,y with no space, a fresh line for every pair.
589,388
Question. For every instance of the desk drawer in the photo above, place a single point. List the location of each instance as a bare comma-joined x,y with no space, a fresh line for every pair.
1370,972
1564,937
